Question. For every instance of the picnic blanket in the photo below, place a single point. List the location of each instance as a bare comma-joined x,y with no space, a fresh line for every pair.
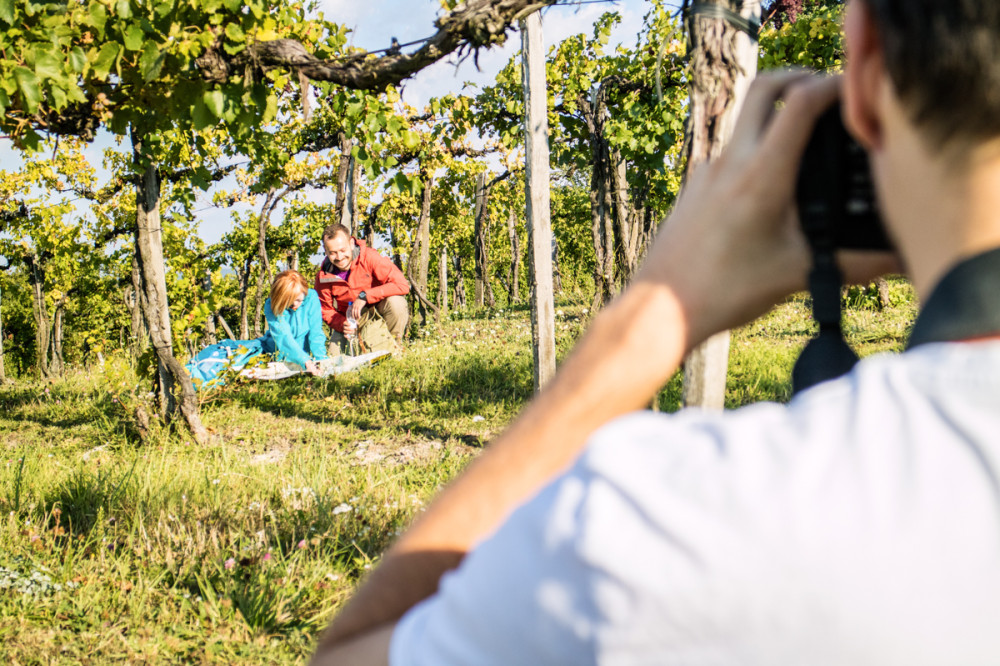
209,368
336,365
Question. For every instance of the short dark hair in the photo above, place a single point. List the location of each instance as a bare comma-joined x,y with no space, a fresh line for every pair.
944,60
335,230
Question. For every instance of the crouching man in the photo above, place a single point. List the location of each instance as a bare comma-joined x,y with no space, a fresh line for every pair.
356,282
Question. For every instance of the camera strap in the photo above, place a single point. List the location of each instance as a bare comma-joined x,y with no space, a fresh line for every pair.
963,307
827,355
965,304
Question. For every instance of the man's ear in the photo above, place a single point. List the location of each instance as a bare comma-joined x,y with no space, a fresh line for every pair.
864,75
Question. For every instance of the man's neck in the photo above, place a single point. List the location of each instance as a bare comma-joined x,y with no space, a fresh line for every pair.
941,208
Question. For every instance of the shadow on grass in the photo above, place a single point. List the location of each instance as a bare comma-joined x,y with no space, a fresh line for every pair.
66,408
384,396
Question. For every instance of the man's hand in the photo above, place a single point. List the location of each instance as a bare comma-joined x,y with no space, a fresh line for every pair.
349,330
355,309
732,246
313,368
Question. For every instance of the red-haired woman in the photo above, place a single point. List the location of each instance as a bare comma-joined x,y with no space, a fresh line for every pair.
294,322
294,333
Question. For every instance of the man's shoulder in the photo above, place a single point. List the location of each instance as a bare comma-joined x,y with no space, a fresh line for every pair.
872,421
370,256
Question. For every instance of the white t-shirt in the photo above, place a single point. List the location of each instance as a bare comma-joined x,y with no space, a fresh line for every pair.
860,524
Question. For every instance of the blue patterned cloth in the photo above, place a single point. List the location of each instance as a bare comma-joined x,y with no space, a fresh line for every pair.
295,335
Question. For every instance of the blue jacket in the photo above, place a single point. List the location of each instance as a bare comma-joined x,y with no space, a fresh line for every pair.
295,335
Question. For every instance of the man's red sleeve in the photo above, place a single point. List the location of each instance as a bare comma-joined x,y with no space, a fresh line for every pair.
328,307
394,283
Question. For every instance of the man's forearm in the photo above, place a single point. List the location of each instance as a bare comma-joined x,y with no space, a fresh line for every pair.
629,352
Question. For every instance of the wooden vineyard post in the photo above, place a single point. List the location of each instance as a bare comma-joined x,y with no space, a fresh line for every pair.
724,63
537,205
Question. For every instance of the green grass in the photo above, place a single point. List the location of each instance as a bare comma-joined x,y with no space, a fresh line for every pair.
116,549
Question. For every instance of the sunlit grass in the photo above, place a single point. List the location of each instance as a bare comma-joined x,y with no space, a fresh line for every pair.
117,549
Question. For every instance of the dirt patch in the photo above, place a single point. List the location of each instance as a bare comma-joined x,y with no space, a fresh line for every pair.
270,457
368,452
275,453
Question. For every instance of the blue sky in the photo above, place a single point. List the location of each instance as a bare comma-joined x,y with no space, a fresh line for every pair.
374,23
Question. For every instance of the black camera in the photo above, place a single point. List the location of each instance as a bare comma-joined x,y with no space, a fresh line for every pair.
835,192
837,210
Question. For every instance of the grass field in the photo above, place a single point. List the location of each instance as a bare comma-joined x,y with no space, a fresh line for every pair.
116,550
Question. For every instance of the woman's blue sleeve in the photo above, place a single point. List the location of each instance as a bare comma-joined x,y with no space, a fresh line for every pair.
314,313
284,341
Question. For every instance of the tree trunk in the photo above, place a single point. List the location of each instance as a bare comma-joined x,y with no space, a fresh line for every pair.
3,373
459,301
139,334
58,364
484,291
537,204
443,280
422,246
263,222
225,327
149,241
594,110
397,258
723,64
352,195
557,284
244,281
514,279
883,293
343,211
36,280
419,292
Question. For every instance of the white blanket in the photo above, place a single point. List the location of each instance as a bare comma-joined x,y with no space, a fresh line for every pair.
330,366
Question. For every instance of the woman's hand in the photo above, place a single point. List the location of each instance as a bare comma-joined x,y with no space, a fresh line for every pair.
313,368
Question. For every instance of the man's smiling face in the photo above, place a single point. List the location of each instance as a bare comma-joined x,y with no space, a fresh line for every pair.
339,251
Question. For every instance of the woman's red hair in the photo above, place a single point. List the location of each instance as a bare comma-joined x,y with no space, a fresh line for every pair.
285,289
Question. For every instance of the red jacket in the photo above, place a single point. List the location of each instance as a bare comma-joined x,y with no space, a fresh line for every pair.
371,273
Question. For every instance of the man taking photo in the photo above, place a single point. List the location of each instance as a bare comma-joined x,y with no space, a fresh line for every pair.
858,524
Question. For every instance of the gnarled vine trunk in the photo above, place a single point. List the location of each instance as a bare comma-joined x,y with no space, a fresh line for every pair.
40,313
421,253
58,364
171,375
620,223
263,222
458,293
3,373
514,277
139,336
484,291
443,280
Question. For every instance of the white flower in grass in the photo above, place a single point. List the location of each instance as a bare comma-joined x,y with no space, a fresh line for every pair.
343,507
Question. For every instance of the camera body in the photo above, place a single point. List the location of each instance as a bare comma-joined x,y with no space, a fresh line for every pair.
835,192
837,210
